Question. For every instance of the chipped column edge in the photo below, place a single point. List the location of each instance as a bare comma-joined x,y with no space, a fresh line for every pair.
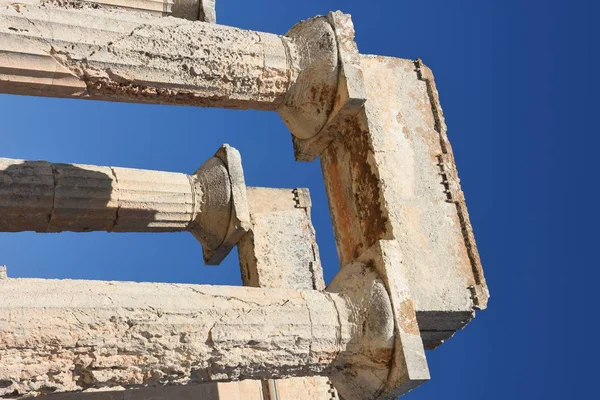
304,201
351,93
239,223
454,191
207,11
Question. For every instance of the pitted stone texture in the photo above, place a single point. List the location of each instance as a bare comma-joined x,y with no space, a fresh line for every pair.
244,390
388,159
349,92
280,250
188,9
309,101
122,56
74,335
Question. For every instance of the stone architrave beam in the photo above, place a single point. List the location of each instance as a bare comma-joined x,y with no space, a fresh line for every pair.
201,10
72,335
397,163
280,251
211,204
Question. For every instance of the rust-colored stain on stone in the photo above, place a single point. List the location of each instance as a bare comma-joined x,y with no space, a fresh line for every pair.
356,189
342,211
408,317
366,185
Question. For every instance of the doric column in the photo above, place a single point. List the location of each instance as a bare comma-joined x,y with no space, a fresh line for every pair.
72,335
194,10
60,50
211,204
120,56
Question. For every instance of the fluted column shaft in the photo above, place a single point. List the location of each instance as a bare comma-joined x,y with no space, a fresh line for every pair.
45,197
201,10
72,335
107,54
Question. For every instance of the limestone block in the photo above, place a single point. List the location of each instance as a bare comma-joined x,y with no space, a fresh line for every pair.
280,250
207,11
312,388
392,167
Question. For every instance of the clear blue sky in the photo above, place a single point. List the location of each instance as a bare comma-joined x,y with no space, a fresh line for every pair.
519,85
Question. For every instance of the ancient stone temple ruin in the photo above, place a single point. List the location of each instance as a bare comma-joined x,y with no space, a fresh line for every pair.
410,274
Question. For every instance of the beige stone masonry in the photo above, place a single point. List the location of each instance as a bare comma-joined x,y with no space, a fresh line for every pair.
412,203
114,55
202,10
244,390
280,251
72,335
211,204
410,273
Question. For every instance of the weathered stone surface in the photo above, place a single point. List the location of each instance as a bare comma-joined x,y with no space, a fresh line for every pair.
202,10
123,56
244,390
349,92
228,204
411,271
82,198
280,250
309,100
311,388
73,335
207,12
384,167
368,377
45,197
